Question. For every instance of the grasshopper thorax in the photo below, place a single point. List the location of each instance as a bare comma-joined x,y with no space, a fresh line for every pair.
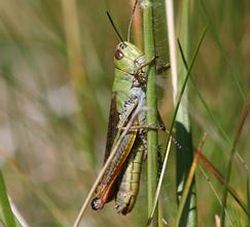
129,59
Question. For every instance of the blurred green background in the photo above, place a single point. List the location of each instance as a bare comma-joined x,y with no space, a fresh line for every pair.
56,72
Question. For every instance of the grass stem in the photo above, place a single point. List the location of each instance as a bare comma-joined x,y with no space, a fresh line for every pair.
152,137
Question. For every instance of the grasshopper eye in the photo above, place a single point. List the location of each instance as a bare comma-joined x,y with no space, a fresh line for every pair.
118,54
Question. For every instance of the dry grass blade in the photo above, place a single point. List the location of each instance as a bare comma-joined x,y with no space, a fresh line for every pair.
220,129
172,44
188,182
17,214
210,167
100,175
72,32
243,117
213,189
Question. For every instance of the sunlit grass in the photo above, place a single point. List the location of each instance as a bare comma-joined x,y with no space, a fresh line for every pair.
54,109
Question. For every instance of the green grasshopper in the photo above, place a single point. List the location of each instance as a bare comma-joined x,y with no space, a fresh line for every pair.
122,177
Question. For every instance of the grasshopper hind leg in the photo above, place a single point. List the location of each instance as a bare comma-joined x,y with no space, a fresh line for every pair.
96,204
130,181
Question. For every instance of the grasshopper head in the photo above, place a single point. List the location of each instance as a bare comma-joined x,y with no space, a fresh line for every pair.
127,57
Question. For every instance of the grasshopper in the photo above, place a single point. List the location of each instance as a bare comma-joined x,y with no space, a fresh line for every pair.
128,96
122,177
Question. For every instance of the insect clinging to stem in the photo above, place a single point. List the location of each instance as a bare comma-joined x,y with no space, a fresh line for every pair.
122,177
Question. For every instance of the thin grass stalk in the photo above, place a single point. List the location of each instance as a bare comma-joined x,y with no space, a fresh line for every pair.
248,198
174,117
218,126
209,166
183,130
152,136
158,190
215,193
72,32
184,155
187,77
78,74
19,218
216,34
243,117
188,183
213,118
172,45
102,172
5,205
218,176
234,75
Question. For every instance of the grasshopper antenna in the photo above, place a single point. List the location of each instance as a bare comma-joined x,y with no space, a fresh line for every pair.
131,20
113,25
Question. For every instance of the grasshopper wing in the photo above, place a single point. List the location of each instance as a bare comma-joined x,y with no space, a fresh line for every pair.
112,126
107,187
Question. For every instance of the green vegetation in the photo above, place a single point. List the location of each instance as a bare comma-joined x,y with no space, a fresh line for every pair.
56,72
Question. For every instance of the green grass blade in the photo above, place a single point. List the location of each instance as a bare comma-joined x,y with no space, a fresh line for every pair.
152,137
186,79
215,33
243,117
217,124
185,193
231,190
5,205
183,109
175,114
206,177
186,212
184,155
209,166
